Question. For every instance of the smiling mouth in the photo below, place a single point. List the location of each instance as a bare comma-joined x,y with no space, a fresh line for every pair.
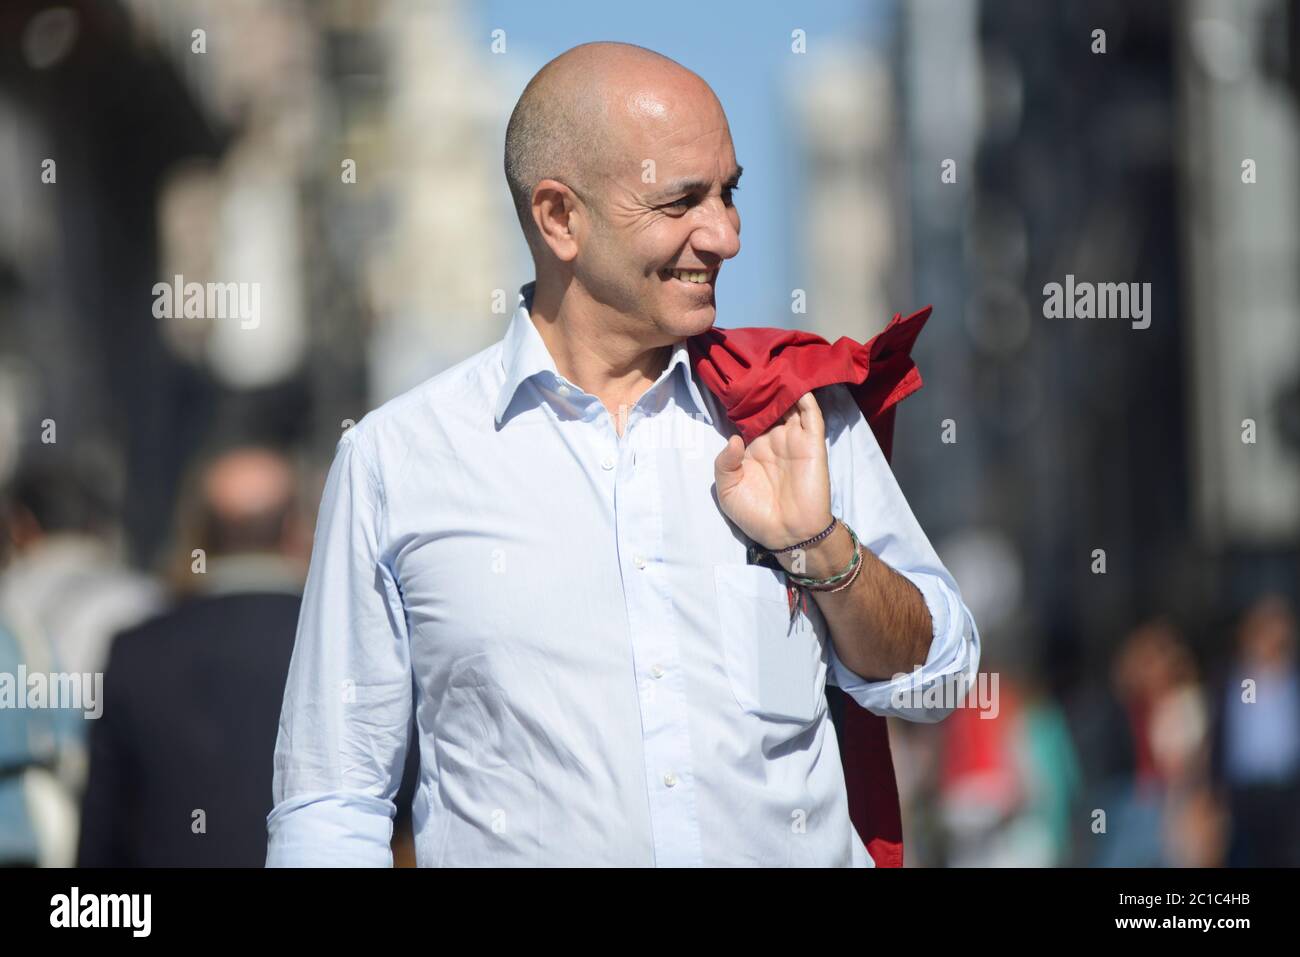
698,277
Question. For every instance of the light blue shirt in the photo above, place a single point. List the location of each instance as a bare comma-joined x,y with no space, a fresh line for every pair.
567,622
1263,737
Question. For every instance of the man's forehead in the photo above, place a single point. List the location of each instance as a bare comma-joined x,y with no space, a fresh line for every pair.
673,137
666,117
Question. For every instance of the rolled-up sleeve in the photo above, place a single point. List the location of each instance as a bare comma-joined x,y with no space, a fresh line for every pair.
865,494
345,720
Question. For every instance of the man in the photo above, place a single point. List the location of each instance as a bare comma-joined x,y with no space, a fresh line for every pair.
180,762
538,559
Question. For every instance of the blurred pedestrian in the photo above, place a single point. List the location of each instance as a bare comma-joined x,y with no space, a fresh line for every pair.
67,583
1257,739
180,770
1165,722
63,594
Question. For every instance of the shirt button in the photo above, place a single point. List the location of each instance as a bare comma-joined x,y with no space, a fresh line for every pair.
563,390
656,672
670,780
607,462
639,562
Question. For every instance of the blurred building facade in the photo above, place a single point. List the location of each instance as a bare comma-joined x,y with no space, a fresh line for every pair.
342,158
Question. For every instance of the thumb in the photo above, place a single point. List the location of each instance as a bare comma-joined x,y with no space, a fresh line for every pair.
727,466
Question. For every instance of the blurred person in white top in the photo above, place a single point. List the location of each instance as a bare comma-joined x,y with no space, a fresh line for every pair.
64,593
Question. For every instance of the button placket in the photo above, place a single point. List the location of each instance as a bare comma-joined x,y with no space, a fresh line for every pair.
652,631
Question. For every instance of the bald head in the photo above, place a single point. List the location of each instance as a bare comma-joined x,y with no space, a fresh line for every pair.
577,120
622,170
247,496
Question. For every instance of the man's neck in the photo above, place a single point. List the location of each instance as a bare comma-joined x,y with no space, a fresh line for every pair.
592,351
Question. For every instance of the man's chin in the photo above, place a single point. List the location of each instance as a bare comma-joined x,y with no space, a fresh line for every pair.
690,320
694,322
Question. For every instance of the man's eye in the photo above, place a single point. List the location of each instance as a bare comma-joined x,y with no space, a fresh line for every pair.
687,201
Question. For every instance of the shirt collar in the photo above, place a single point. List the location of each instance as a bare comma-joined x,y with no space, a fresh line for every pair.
524,355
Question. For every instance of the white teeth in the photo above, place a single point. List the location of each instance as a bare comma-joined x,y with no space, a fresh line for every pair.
700,277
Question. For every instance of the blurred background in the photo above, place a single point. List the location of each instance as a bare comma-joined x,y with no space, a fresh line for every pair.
1120,505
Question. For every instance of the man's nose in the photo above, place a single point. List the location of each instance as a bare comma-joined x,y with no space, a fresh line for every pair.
719,235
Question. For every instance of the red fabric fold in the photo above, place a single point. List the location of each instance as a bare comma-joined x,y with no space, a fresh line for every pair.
758,374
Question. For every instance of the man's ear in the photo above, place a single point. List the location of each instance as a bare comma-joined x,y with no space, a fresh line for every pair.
558,218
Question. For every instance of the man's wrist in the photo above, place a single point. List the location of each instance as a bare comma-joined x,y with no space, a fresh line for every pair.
820,531
825,558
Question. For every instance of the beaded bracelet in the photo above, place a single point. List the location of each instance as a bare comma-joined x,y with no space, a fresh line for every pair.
798,586
811,541
828,584
857,568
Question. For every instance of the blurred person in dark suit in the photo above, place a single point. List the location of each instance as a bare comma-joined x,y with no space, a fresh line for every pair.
180,771
1256,754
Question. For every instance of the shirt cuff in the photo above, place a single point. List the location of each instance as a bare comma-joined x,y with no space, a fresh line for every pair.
330,829
952,662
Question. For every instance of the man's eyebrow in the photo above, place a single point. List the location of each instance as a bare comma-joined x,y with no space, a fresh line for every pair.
689,185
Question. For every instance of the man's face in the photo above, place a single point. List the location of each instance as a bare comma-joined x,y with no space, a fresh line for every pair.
665,217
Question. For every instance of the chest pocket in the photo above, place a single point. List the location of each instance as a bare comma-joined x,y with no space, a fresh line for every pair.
777,670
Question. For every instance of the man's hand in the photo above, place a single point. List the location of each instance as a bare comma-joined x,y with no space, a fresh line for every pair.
778,490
